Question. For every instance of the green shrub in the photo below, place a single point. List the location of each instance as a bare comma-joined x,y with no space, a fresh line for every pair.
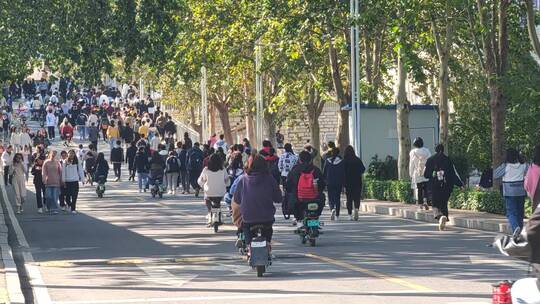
388,190
383,170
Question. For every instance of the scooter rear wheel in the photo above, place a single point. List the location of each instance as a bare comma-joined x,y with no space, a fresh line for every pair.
260,271
216,227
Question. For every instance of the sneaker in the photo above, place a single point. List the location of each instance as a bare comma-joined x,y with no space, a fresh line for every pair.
426,206
140,190
173,192
117,179
356,214
19,210
73,212
350,217
169,192
294,222
64,209
333,216
40,210
337,218
442,223
197,193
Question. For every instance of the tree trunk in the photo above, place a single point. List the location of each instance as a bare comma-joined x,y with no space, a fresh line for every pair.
314,109
342,100
250,129
531,26
195,126
212,120
223,110
269,131
443,101
402,122
498,115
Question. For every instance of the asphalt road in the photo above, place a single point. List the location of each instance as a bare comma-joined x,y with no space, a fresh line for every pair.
131,248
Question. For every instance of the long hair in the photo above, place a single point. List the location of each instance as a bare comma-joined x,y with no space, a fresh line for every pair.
513,157
215,163
257,164
536,157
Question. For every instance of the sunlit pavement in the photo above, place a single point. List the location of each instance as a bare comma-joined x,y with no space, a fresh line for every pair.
131,248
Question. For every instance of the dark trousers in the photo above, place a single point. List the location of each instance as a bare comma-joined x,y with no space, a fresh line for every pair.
117,167
7,177
334,197
353,196
62,197
94,143
40,194
213,202
267,231
301,207
131,173
50,132
71,193
440,201
193,177
183,179
422,193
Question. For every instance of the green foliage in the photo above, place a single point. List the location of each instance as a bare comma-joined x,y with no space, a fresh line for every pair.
388,190
383,170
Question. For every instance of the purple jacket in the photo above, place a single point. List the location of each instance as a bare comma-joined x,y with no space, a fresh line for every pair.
256,195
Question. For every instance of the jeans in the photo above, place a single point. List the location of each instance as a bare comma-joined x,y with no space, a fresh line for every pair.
422,196
184,180
40,195
72,192
193,177
142,179
7,177
515,211
82,132
50,132
112,142
525,291
171,180
117,167
334,197
52,194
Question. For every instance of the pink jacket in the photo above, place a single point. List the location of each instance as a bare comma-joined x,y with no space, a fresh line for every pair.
531,180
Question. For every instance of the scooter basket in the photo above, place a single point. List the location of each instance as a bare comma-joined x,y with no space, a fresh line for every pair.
501,293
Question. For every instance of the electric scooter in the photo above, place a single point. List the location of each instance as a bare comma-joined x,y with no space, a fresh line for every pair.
215,217
259,251
311,225
157,188
100,188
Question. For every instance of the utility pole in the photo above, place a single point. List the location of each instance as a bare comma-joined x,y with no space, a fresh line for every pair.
259,100
204,106
355,79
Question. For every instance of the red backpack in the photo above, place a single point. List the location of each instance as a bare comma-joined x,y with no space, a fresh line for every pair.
307,191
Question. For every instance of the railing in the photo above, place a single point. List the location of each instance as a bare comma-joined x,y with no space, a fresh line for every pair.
181,127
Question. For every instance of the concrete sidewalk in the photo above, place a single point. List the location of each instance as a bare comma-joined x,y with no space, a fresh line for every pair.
458,218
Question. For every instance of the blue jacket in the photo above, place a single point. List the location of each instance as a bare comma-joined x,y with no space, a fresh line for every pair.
334,171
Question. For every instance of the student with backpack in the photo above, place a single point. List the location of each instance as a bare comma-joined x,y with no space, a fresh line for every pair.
334,173
81,120
117,158
417,164
130,160
172,170
442,177
195,167
305,184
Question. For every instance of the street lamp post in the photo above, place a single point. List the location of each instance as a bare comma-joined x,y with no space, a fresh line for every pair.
355,78
204,106
259,95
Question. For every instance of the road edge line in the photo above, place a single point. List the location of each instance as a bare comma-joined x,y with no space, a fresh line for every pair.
40,292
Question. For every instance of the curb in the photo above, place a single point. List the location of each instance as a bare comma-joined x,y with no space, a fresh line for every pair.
456,220
12,277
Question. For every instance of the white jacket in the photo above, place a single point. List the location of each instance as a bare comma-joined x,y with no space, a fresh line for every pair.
51,120
7,159
25,139
72,173
16,139
214,183
417,164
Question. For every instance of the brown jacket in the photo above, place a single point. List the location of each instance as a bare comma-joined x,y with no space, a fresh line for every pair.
236,215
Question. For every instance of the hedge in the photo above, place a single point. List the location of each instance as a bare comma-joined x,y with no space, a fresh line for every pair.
469,199
388,190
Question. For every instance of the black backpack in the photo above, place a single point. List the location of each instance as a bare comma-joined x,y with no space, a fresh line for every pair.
172,165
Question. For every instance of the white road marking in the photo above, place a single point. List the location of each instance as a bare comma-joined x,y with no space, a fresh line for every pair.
160,275
41,294
185,299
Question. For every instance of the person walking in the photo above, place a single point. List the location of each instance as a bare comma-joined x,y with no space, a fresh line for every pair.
7,161
18,176
93,135
354,169
172,171
442,177
532,179
334,173
286,162
141,165
66,131
52,179
117,158
51,121
512,172
214,180
82,120
417,164
39,158
195,166
130,160
113,134
72,175
184,176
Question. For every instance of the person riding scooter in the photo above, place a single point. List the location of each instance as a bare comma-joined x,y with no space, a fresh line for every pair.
527,290
157,169
256,194
303,194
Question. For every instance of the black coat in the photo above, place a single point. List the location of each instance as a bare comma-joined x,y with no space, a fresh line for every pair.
117,155
354,169
441,163
130,155
294,177
141,163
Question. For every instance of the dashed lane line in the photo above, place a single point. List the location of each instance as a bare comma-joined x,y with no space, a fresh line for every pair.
386,277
